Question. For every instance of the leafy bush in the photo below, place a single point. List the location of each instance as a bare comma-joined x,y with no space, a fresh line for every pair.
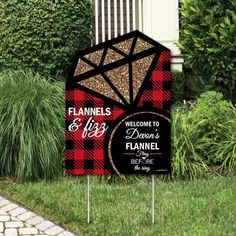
208,35
211,107
225,150
178,84
186,86
186,146
31,131
43,35
204,135
219,128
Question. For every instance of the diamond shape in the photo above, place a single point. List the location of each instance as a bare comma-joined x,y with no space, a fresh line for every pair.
119,74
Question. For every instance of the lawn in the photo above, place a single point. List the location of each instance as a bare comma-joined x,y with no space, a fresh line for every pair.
199,207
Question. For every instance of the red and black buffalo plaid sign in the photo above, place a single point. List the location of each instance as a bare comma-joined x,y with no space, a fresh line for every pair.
128,76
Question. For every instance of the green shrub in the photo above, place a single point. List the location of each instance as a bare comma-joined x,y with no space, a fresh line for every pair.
186,86
219,128
31,131
178,85
186,146
211,107
203,136
225,150
208,36
43,35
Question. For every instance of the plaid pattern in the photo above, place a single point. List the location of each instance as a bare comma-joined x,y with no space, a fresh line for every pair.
86,156
157,91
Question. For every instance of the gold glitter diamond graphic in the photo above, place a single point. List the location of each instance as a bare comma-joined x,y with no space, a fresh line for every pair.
120,73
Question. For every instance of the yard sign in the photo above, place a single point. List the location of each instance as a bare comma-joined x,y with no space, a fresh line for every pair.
118,108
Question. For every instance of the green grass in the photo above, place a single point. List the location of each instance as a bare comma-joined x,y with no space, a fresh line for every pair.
199,207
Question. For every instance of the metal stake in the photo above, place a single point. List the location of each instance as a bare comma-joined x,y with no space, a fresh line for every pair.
88,200
153,200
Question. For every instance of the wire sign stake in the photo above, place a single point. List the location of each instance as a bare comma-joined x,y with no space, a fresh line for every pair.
88,200
153,199
118,110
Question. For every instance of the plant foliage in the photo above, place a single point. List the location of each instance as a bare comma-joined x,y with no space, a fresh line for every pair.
208,37
186,86
186,146
219,129
43,35
204,135
31,131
